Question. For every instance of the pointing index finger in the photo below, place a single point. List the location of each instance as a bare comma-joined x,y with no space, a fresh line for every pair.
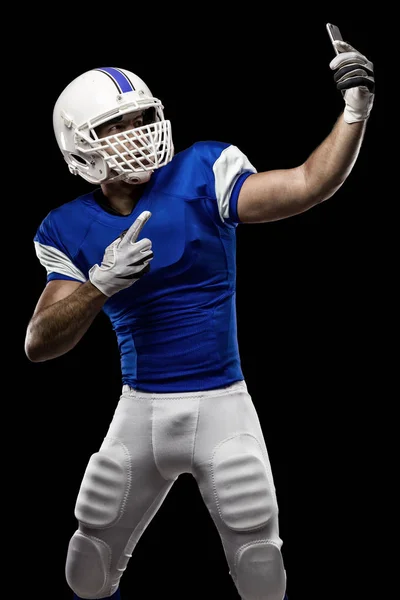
137,226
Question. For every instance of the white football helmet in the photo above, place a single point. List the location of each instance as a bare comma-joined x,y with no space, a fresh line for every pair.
96,97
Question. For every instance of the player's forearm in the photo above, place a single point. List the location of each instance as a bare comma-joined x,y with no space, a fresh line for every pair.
328,167
56,329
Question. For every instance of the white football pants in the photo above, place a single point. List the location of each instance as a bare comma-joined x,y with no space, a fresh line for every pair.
153,438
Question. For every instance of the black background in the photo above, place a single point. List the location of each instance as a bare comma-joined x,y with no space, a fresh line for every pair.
306,289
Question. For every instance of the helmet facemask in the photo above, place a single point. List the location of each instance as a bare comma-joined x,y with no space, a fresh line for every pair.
131,155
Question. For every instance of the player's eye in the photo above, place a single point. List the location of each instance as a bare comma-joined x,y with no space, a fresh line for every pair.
116,127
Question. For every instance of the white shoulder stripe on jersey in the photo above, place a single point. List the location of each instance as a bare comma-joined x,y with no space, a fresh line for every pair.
227,169
55,261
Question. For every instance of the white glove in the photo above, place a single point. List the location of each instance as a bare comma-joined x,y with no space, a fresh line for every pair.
125,260
354,76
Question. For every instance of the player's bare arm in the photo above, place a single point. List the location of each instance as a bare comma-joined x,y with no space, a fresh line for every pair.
277,194
63,314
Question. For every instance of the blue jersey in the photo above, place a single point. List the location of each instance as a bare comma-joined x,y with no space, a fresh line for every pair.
176,326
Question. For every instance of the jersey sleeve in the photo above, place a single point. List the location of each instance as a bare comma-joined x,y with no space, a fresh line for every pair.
53,253
226,168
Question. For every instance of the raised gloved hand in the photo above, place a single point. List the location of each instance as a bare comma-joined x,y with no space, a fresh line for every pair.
125,260
354,76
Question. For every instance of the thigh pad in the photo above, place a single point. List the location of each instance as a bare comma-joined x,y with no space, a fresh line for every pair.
104,488
242,486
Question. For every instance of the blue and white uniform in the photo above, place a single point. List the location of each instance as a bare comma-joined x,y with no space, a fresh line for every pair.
176,326
184,406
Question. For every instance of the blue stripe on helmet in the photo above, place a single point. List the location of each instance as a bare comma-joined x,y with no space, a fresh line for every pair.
120,79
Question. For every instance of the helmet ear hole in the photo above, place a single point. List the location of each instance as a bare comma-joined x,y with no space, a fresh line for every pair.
93,168
79,159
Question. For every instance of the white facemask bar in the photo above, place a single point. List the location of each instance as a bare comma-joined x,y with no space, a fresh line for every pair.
143,148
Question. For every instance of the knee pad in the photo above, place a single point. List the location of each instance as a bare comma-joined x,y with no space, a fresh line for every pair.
88,566
104,488
260,573
243,485
99,505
